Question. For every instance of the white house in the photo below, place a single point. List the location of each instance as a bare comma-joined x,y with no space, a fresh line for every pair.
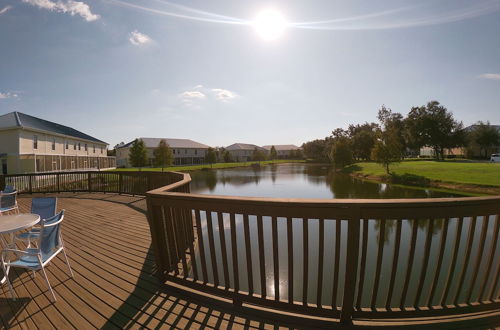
29,144
186,152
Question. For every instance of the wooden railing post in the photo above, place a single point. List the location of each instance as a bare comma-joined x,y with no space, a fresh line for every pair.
2,182
89,181
351,270
120,183
30,184
58,181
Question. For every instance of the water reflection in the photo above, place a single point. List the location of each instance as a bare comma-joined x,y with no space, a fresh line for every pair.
299,181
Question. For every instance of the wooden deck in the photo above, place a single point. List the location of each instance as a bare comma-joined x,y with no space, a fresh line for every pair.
108,242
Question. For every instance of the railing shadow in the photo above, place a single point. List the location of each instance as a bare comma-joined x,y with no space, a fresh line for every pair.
10,310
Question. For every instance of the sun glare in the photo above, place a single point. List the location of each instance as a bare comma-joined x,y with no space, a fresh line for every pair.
269,24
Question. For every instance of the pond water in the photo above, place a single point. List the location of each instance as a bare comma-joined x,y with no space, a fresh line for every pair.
319,181
298,181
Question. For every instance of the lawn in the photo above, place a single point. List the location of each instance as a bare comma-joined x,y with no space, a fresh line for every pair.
215,166
467,172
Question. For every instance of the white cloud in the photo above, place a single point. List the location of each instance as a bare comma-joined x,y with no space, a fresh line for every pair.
69,6
223,94
136,38
492,76
190,95
7,95
4,9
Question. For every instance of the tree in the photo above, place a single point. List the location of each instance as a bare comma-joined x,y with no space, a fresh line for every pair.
341,153
393,123
138,154
387,152
485,136
316,149
258,155
228,158
163,155
273,154
211,156
434,126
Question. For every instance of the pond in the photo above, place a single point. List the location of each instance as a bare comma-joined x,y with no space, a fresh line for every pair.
298,181
319,181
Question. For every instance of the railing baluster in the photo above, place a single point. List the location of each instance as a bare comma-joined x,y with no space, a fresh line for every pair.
491,258
222,235
276,262
410,263
234,252
201,247
189,228
289,239
482,239
395,258
336,270
351,269
211,244
177,217
442,246
362,266
305,244
425,262
262,262
451,270
248,250
321,243
380,255
470,241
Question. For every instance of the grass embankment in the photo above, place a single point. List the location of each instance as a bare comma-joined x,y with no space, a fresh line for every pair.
456,175
188,168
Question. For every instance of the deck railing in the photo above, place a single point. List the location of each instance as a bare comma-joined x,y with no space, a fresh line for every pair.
331,258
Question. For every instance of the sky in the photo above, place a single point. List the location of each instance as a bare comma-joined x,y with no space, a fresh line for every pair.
262,72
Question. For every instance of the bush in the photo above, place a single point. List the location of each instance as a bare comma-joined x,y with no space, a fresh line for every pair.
410,180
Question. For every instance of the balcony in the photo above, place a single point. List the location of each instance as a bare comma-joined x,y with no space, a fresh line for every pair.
250,257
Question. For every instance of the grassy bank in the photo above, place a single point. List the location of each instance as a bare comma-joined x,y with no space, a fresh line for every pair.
188,168
457,175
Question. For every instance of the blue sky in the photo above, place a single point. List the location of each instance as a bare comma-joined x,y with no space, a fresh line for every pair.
118,69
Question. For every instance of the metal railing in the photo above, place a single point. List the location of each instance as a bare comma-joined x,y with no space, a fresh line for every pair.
345,259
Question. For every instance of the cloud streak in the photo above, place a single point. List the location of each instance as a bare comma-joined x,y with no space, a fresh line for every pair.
200,92
491,76
70,7
137,38
5,9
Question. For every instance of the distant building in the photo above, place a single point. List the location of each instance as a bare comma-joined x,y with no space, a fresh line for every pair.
29,144
242,152
284,151
186,152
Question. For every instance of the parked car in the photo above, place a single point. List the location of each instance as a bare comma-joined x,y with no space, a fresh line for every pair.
495,158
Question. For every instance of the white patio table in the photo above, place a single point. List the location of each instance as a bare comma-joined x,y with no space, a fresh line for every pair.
9,224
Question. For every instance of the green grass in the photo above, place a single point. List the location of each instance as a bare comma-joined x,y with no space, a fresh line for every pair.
215,166
464,172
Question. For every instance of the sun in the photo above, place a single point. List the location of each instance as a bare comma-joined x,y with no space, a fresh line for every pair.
269,24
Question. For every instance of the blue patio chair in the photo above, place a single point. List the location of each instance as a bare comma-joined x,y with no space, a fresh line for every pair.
46,208
50,243
8,200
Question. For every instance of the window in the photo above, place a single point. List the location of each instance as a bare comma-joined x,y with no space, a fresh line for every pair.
53,143
195,151
67,145
185,151
35,141
93,146
102,150
86,148
74,146
79,146
173,151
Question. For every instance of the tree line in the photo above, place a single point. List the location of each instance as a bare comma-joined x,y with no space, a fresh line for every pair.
395,137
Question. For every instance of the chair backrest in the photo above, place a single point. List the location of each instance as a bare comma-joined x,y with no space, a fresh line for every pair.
50,234
45,207
9,189
8,199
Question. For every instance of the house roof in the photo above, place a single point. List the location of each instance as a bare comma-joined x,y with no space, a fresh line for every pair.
173,143
21,120
279,147
243,146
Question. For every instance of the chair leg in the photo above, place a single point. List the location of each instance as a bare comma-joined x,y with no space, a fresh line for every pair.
67,263
11,289
48,284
